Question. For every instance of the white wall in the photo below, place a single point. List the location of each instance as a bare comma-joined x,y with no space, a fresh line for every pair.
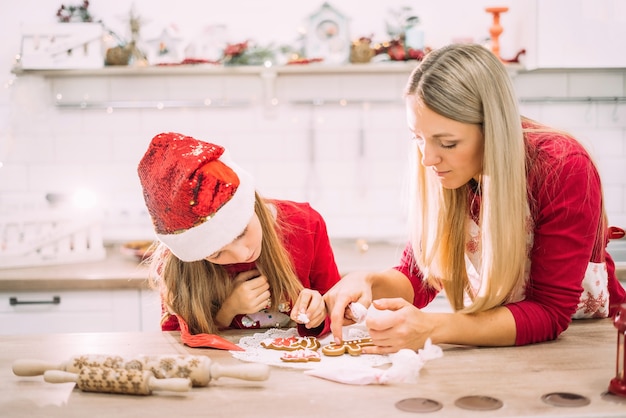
360,151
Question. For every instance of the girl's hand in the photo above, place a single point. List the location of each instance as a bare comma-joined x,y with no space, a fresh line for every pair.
310,303
400,325
250,294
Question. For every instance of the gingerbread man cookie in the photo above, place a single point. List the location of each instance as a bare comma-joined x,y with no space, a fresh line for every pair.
352,347
292,343
301,355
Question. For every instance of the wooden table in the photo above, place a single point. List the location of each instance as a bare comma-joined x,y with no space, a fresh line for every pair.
581,361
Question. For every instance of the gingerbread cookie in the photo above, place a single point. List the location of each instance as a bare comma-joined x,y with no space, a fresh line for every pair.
352,347
291,343
301,355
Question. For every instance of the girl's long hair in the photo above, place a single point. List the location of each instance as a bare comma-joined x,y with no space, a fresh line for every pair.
196,290
468,84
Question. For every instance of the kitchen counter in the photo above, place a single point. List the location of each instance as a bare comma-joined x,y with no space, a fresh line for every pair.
581,361
121,271
116,271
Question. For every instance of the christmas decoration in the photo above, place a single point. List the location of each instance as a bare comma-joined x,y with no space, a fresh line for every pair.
248,53
361,50
74,13
407,41
166,47
496,28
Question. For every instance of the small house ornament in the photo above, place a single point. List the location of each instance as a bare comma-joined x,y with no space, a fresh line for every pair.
328,36
165,48
62,46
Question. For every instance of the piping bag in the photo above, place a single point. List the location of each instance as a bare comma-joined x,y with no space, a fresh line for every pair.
405,364
405,368
204,340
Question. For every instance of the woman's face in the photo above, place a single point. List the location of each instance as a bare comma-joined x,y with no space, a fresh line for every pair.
453,150
246,248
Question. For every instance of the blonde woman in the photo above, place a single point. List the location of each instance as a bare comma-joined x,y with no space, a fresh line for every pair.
228,258
506,217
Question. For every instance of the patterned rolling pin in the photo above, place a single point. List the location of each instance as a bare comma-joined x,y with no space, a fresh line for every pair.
109,380
200,369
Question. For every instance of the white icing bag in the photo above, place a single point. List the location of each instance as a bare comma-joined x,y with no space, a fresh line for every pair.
359,312
405,368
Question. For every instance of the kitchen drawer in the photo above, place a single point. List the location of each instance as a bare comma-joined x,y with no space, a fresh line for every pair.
71,311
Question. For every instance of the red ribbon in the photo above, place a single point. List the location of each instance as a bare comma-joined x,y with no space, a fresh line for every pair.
204,340
616,232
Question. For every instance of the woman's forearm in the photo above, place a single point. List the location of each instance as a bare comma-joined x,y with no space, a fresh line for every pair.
391,284
495,327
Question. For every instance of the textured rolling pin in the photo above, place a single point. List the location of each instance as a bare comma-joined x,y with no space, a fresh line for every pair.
200,369
110,380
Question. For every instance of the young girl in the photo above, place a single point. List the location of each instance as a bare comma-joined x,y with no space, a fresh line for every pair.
507,217
228,258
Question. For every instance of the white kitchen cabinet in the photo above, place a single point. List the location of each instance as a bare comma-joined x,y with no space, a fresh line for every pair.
117,310
574,33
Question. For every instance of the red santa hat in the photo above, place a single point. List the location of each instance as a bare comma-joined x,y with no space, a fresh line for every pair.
199,200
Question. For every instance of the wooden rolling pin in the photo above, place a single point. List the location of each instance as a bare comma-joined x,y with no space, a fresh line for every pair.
110,380
200,369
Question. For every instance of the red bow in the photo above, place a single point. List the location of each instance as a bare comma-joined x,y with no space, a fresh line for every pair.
204,340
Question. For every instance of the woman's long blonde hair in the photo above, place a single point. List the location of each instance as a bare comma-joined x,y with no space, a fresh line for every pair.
196,290
468,84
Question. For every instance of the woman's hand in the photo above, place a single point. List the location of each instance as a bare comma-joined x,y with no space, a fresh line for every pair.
397,324
250,295
353,287
310,303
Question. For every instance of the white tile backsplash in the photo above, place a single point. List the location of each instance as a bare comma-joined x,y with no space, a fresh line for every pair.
570,116
612,114
14,178
613,170
349,161
596,84
73,147
603,142
79,89
540,85
614,198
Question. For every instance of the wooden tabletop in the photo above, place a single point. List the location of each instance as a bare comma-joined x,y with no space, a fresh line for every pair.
581,361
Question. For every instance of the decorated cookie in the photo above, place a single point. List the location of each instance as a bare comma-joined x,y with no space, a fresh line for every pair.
352,347
301,355
291,343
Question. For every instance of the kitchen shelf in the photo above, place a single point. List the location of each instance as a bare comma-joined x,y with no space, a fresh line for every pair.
214,69
573,99
388,67
268,76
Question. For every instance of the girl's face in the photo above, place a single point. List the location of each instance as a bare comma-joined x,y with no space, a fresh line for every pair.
453,150
246,248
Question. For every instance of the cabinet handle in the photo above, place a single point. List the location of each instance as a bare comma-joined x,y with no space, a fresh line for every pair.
55,301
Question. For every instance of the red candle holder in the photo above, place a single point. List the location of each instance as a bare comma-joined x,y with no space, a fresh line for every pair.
617,386
496,29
